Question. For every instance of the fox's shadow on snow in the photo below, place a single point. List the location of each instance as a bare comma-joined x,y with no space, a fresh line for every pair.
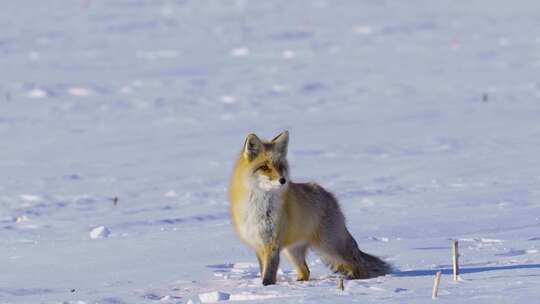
431,272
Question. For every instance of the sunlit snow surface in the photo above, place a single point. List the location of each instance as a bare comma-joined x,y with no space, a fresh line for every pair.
423,117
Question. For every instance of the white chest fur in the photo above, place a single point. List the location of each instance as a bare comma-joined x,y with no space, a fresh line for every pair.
261,215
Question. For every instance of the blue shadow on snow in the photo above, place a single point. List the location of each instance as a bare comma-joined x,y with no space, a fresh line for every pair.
431,272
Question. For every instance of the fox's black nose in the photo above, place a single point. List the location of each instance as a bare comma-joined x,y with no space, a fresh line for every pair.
282,181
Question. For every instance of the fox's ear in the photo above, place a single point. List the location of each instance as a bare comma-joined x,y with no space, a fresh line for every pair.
281,142
252,147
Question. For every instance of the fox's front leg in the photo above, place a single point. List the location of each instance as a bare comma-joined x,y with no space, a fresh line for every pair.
269,257
259,259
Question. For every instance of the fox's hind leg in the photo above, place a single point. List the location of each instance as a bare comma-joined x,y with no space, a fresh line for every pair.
338,257
297,256
342,255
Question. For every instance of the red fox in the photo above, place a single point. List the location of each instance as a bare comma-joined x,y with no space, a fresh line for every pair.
271,213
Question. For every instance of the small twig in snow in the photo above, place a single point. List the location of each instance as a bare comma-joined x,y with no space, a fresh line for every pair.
455,261
340,285
436,285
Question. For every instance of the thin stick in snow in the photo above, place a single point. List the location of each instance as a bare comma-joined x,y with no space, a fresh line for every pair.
455,261
340,285
436,285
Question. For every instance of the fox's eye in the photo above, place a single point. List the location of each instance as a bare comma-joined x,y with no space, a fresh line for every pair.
265,168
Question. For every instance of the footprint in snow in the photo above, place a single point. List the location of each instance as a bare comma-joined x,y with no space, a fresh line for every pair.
517,252
235,271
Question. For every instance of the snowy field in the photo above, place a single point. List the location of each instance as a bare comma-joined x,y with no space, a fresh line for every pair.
423,117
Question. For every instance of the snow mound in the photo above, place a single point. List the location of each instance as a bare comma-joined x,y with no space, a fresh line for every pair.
38,93
79,91
250,296
214,296
100,232
30,198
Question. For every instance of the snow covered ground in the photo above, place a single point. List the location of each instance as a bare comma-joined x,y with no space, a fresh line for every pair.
423,117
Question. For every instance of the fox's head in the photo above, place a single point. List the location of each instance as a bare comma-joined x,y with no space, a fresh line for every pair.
267,161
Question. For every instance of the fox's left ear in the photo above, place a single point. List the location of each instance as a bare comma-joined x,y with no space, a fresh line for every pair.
281,143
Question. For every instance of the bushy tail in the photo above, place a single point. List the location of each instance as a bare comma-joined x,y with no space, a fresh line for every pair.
347,259
368,266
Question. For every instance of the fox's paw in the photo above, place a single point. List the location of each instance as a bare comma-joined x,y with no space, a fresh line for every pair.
268,281
302,277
